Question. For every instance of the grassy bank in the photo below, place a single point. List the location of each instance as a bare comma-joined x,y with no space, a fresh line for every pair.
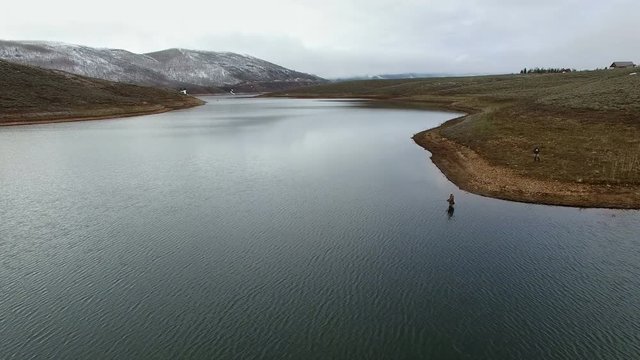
34,95
587,125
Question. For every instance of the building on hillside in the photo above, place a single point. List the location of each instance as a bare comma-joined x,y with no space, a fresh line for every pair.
622,64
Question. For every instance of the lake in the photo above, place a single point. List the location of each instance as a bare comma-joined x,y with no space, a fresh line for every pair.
292,229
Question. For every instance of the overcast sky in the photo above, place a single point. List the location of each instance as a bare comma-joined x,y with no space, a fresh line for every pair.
337,38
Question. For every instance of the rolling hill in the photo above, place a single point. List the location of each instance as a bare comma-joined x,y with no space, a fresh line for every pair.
198,71
31,95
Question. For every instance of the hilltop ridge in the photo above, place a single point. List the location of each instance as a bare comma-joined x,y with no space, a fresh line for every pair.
196,70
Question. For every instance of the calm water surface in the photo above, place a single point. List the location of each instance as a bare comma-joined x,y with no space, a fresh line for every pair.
301,229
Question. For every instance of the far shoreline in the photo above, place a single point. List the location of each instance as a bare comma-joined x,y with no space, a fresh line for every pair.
28,119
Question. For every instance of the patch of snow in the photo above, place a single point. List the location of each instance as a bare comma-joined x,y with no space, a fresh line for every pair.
205,68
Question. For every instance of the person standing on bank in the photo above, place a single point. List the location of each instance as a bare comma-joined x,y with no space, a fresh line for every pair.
536,154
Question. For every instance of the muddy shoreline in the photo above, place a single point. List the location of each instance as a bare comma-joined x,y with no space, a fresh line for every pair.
470,172
34,118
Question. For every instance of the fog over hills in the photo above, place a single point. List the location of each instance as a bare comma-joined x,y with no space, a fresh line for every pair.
400,76
198,71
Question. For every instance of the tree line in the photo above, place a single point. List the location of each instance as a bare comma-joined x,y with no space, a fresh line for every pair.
538,70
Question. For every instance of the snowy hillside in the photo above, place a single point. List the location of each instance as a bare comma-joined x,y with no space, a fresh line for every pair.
222,68
108,64
171,68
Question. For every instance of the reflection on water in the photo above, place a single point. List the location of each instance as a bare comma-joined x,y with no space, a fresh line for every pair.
261,228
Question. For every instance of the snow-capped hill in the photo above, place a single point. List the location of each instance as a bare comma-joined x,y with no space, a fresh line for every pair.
197,70
208,68
108,64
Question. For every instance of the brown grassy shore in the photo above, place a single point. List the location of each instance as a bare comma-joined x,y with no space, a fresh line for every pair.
587,125
30,95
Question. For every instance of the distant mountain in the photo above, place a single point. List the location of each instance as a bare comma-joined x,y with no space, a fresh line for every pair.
400,76
198,71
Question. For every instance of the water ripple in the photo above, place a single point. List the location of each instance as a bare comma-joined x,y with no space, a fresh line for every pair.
320,233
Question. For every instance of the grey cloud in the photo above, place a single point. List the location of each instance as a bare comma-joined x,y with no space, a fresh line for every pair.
342,38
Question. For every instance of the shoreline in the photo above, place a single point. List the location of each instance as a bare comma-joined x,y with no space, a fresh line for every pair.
109,116
470,172
464,167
